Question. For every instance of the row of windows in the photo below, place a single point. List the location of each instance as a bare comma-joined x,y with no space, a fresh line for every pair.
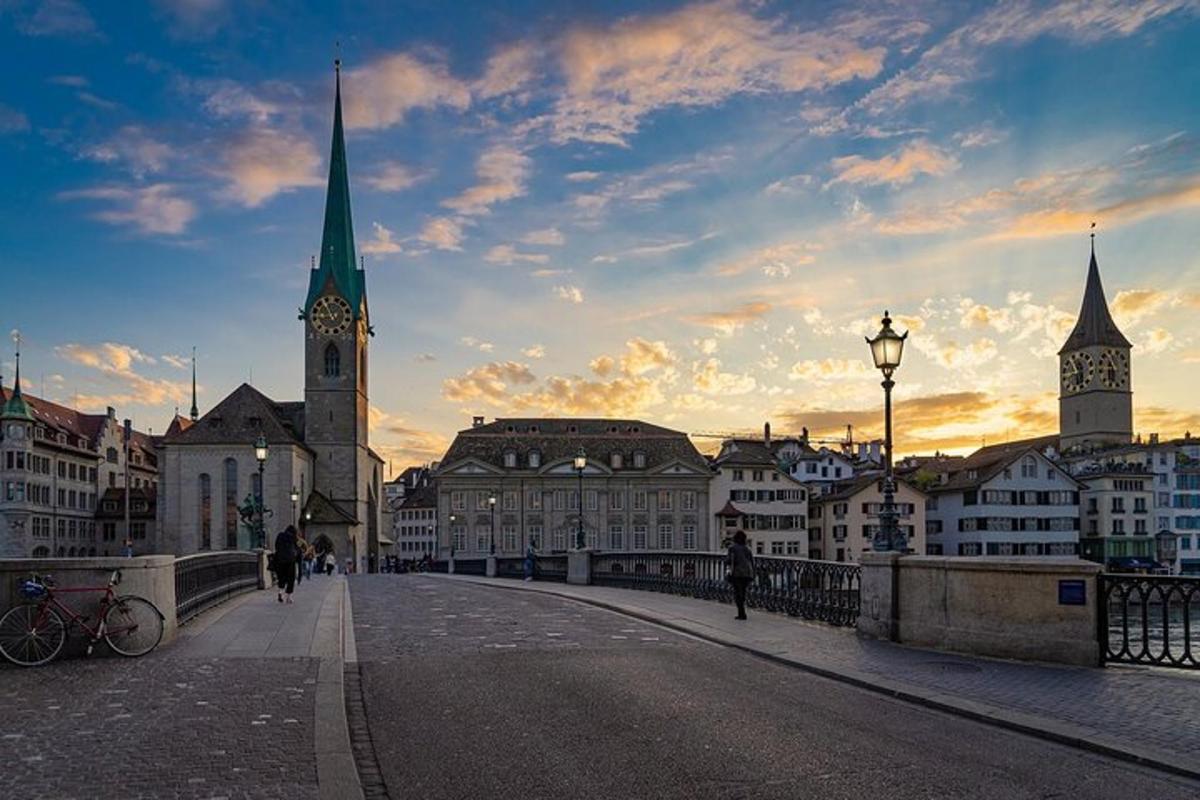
563,537
1010,549
568,500
839,510
1117,527
40,465
1189,481
1186,501
533,460
1021,498
756,475
38,494
1018,524
868,531
1117,505
767,495
1188,523
39,432
417,513
768,522
65,528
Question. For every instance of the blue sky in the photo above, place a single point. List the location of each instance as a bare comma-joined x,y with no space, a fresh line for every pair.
687,212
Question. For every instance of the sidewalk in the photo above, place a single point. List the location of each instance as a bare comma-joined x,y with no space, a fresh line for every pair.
246,702
1145,715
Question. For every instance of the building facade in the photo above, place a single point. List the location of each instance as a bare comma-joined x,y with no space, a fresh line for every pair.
511,483
750,491
318,448
55,465
415,528
1004,500
845,519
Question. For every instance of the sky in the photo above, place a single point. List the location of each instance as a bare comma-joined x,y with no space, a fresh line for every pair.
688,213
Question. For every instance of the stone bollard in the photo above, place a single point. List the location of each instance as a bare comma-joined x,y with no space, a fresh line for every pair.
879,596
491,566
264,575
579,567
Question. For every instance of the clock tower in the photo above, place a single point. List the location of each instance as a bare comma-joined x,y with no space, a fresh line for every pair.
1095,406
336,332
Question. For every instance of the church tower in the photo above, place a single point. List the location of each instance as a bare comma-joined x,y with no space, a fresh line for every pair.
1095,406
336,331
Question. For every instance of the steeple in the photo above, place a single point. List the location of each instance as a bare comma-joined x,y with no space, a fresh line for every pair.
195,414
337,262
1095,324
16,407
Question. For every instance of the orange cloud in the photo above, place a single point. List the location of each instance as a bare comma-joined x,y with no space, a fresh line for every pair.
728,321
916,158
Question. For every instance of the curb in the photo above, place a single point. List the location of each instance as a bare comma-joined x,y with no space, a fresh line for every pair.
1016,721
337,773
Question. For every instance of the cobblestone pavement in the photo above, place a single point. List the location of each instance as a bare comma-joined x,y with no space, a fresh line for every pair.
186,721
472,691
1134,708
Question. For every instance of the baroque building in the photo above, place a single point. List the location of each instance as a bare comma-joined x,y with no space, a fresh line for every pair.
511,483
318,447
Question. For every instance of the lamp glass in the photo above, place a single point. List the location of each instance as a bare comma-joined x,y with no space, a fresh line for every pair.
581,460
491,500
887,347
260,448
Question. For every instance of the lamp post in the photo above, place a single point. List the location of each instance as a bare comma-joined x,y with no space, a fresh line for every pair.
492,531
261,451
453,517
886,350
295,496
580,466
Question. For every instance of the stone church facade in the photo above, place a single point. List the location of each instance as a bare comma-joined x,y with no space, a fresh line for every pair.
318,447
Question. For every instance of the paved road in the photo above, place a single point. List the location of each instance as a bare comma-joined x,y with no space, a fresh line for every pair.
478,692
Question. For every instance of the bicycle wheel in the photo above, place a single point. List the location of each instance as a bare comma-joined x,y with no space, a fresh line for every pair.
133,626
31,635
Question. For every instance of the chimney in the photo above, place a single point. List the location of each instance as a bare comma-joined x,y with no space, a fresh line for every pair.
476,422
1154,438
804,435
767,434
112,412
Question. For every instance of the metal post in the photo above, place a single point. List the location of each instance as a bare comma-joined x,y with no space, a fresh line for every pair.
579,527
262,522
493,530
893,536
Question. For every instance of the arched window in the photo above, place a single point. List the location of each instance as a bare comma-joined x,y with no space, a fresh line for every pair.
333,361
231,503
1028,467
41,551
205,512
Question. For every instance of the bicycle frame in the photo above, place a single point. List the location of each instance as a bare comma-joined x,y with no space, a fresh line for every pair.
73,618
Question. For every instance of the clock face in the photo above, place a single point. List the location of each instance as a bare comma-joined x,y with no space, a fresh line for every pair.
1114,369
1077,372
332,316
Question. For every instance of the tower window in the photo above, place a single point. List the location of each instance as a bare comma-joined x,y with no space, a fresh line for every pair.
333,361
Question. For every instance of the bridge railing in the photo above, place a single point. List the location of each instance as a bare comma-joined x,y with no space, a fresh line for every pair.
470,566
828,591
1150,619
203,580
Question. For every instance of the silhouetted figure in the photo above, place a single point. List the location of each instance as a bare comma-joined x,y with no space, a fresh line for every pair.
741,571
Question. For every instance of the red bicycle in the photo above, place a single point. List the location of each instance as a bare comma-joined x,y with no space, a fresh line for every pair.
34,633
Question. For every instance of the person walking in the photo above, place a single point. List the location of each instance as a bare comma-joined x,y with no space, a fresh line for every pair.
741,571
529,556
287,554
301,555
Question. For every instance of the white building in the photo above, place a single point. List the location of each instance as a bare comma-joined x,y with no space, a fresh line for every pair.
1004,500
749,490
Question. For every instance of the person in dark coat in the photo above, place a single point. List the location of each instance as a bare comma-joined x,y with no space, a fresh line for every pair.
741,571
287,554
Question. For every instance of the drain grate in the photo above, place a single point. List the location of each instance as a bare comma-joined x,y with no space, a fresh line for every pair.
369,774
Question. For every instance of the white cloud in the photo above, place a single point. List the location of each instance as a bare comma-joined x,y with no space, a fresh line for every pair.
132,146
380,94
12,120
534,351
65,18
708,378
152,209
830,369
547,237
509,71
502,171
777,260
572,294
583,176
263,162
488,383
381,243
392,176
507,254
698,55
444,233
478,344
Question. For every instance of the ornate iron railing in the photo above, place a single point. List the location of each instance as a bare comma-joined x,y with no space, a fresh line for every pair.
1150,619
820,590
205,579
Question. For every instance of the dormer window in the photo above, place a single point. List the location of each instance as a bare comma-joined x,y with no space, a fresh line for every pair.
639,460
533,428
535,459
510,459
572,429
615,460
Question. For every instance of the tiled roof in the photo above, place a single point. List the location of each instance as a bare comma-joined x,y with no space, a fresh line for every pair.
745,451
424,496
557,439
845,490
77,424
986,462
241,416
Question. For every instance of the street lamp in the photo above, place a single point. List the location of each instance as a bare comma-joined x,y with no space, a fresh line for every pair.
295,496
453,517
886,350
260,454
492,505
580,466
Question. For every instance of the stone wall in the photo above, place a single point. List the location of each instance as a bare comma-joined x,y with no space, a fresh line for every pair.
151,577
1006,608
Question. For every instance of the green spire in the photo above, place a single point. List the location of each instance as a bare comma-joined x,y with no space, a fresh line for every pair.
16,407
337,240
